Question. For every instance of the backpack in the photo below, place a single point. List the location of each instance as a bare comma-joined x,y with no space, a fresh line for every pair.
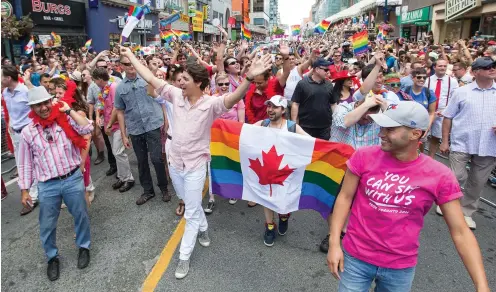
291,125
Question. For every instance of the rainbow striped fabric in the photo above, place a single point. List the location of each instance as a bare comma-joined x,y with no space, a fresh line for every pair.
138,11
322,27
311,174
167,36
87,45
245,33
381,35
360,42
295,30
182,35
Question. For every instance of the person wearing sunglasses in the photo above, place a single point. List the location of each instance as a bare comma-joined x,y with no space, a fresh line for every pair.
470,125
337,64
277,64
236,113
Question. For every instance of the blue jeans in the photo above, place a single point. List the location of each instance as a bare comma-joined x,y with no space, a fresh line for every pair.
50,195
358,276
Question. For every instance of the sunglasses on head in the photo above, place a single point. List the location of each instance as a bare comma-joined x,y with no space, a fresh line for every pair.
223,84
421,77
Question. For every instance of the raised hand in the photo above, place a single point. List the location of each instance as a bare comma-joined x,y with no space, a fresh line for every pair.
259,66
64,106
125,51
284,49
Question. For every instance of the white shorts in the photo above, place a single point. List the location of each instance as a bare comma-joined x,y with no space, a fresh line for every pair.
436,129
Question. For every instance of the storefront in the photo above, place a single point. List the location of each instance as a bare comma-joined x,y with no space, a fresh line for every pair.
415,24
65,18
105,21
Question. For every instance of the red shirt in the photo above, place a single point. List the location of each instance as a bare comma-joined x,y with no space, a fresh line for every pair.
333,69
210,71
256,109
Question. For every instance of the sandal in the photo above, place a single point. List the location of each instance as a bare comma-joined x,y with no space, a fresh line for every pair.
253,204
180,209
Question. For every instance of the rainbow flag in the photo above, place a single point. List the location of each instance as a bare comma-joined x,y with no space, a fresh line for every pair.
181,34
245,33
295,30
280,170
134,15
322,27
87,45
381,35
138,11
167,36
136,48
360,43
29,46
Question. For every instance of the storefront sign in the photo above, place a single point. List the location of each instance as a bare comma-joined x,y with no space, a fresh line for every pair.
180,25
208,28
191,8
184,18
6,9
455,8
414,16
142,24
55,12
198,21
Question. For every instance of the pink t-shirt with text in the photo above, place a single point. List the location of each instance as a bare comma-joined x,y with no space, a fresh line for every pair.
391,201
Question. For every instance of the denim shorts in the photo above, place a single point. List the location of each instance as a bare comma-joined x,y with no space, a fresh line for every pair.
358,276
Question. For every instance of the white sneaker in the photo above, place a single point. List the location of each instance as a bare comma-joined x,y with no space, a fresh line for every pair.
91,197
203,238
470,222
182,269
438,211
233,201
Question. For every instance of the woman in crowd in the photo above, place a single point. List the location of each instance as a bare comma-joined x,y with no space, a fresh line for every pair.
343,87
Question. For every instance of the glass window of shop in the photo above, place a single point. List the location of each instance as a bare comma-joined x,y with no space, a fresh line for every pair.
488,26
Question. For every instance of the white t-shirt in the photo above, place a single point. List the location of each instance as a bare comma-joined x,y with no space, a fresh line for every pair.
293,79
390,96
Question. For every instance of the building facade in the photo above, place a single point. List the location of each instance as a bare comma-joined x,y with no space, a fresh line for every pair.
274,17
259,13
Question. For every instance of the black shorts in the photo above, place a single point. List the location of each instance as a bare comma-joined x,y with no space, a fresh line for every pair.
321,133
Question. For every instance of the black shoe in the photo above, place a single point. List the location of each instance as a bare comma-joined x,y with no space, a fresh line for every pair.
126,186
118,184
324,245
283,224
83,258
99,159
269,234
166,197
112,170
53,269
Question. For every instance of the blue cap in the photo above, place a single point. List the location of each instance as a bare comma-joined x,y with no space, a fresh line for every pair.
321,62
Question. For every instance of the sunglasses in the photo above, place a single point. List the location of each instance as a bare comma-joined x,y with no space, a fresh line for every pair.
421,77
337,56
325,69
395,84
223,84
167,59
232,63
278,59
105,67
489,67
124,64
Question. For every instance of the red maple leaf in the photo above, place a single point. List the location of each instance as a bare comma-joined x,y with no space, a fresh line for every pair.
269,173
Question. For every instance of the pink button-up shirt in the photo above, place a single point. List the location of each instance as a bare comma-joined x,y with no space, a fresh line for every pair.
47,153
109,106
190,147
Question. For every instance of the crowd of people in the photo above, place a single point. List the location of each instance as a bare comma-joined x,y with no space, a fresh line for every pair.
391,104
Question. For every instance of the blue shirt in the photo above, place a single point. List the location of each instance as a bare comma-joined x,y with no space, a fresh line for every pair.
17,105
422,97
405,82
142,113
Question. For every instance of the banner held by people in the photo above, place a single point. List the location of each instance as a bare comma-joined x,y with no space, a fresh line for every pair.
279,170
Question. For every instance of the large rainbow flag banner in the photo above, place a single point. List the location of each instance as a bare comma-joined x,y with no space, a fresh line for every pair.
280,170
295,29
360,42
167,36
245,33
134,15
322,27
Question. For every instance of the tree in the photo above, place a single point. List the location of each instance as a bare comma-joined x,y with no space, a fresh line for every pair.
13,28
279,31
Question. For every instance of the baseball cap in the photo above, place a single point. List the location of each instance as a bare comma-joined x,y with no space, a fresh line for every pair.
76,76
483,62
405,113
321,62
277,100
434,55
38,95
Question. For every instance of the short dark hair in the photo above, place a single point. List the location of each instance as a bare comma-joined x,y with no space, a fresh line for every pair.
199,74
416,62
180,55
418,71
58,82
100,74
461,65
45,75
366,70
178,71
10,71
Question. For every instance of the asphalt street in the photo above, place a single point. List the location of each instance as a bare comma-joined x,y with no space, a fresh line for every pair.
127,241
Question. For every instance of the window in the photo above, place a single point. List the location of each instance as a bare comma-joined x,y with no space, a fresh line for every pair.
258,21
221,17
216,14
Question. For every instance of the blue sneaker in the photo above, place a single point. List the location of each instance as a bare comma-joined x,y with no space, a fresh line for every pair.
492,180
283,224
270,234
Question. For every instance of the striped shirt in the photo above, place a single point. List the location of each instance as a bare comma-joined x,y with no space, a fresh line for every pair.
357,135
47,153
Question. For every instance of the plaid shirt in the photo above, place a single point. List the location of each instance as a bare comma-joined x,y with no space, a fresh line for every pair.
357,135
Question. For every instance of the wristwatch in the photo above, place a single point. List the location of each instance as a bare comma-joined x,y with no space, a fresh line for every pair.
68,112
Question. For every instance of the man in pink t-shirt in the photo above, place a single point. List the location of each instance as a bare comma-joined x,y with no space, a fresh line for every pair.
125,178
392,188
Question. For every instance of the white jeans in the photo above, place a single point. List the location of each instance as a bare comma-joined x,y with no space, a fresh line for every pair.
16,138
189,187
122,161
